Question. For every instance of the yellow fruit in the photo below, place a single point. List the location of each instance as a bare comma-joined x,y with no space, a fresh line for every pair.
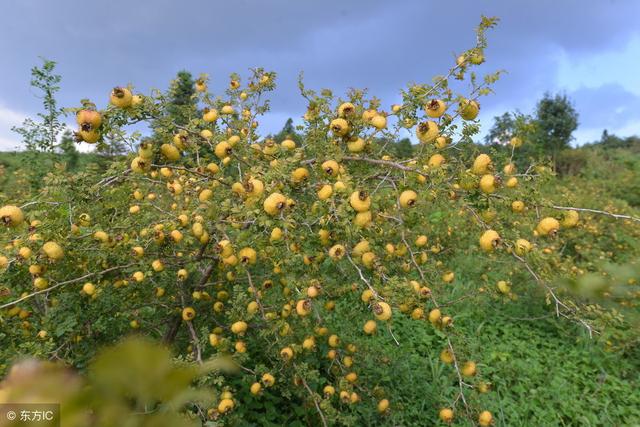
303,307
247,256
356,145
223,150
446,356
408,198
188,313
346,109
268,380
489,240
515,142
548,227
570,219
504,287
382,310
360,201
53,251
182,274
522,247
370,327
360,248
121,97
225,406
436,161
299,175
140,165
442,141
256,388
446,415
11,216
239,327
276,234
210,115
331,167
88,288
40,283
469,109
512,182
286,353
227,110
469,369
170,152
325,192
427,131
379,121
488,183
274,204
329,391
482,165
368,258
509,169
517,206
339,127
421,240
288,144
435,108
434,316
383,406
24,252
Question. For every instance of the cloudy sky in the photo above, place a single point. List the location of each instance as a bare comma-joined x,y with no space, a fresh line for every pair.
588,49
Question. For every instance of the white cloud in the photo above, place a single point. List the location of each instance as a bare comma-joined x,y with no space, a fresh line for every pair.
9,140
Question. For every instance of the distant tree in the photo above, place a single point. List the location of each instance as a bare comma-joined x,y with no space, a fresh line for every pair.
503,129
68,148
555,119
182,103
288,131
403,149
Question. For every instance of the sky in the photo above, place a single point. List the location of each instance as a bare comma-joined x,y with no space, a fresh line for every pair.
586,49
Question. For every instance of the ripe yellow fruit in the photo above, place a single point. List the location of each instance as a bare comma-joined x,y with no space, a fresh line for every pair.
446,356
210,115
370,327
299,175
256,388
325,192
121,97
157,265
24,253
512,182
188,313
40,283
140,165
239,327
485,419
53,251
548,227
482,165
509,169
225,406
170,152
517,206
427,131
346,109
288,144
469,369
268,380
356,145
339,127
11,216
469,109
488,183
303,307
421,240
436,161
446,415
183,274
286,353
138,276
379,121
435,108
489,240
504,287
227,110
515,142
331,167
247,256
434,316
275,203
222,150
351,377
522,247
329,391
360,201
408,198
570,219
382,310
89,288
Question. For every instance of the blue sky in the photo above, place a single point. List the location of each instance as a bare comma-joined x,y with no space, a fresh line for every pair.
588,49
